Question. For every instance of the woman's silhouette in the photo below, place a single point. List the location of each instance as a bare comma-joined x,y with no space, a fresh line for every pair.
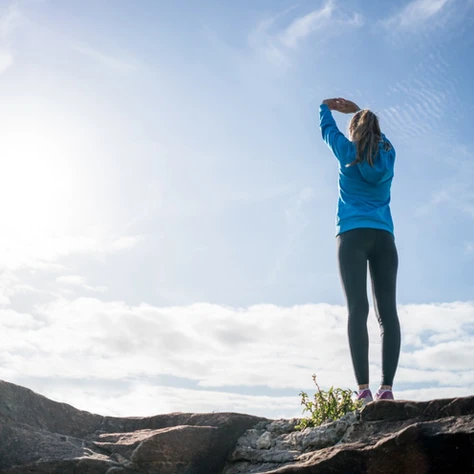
364,234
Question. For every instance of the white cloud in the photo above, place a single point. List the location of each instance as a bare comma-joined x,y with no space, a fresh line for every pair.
10,18
7,281
126,242
424,394
6,60
452,355
11,285
421,10
300,28
216,348
71,280
434,376
12,319
416,13
436,318
144,399
44,252
107,60
79,281
275,42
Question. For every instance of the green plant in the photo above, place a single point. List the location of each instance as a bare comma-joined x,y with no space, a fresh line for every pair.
327,405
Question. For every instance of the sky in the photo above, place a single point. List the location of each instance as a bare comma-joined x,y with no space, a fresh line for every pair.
168,204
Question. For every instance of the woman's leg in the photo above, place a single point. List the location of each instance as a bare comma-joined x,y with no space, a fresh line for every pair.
352,250
383,263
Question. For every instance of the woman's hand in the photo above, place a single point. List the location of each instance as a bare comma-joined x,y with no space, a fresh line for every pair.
346,106
342,105
331,103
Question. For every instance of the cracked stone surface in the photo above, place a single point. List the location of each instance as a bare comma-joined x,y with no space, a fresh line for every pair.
38,435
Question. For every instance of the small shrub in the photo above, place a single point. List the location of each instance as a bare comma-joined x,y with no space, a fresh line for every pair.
327,406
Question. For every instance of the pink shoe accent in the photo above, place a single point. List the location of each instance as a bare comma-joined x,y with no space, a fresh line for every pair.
384,395
365,395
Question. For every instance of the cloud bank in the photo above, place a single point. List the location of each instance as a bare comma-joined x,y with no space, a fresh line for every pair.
85,351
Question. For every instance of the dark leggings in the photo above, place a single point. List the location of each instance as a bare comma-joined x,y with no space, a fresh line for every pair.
355,248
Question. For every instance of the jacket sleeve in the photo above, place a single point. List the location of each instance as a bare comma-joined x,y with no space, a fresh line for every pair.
334,138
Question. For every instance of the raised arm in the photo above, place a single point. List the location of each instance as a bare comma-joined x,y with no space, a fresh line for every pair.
334,138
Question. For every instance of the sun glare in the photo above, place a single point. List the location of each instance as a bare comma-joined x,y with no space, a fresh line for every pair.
37,181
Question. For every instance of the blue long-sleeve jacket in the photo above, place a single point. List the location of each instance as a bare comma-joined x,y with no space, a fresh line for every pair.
364,191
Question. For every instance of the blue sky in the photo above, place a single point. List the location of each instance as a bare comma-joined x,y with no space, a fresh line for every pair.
168,204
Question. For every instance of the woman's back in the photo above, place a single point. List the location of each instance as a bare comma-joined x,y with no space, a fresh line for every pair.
364,189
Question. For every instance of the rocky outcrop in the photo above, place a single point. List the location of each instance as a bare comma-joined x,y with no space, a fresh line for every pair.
38,435
387,437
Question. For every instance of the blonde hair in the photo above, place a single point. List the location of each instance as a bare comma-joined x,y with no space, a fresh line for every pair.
364,130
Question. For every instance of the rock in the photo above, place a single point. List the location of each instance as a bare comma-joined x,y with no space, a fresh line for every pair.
265,441
283,444
176,450
38,435
391,437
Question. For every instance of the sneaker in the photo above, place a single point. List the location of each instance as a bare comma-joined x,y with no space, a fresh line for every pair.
384,395
365,395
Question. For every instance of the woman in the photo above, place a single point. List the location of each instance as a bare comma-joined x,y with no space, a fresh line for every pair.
364,233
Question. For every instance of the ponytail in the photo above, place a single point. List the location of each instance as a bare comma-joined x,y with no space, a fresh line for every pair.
364,130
